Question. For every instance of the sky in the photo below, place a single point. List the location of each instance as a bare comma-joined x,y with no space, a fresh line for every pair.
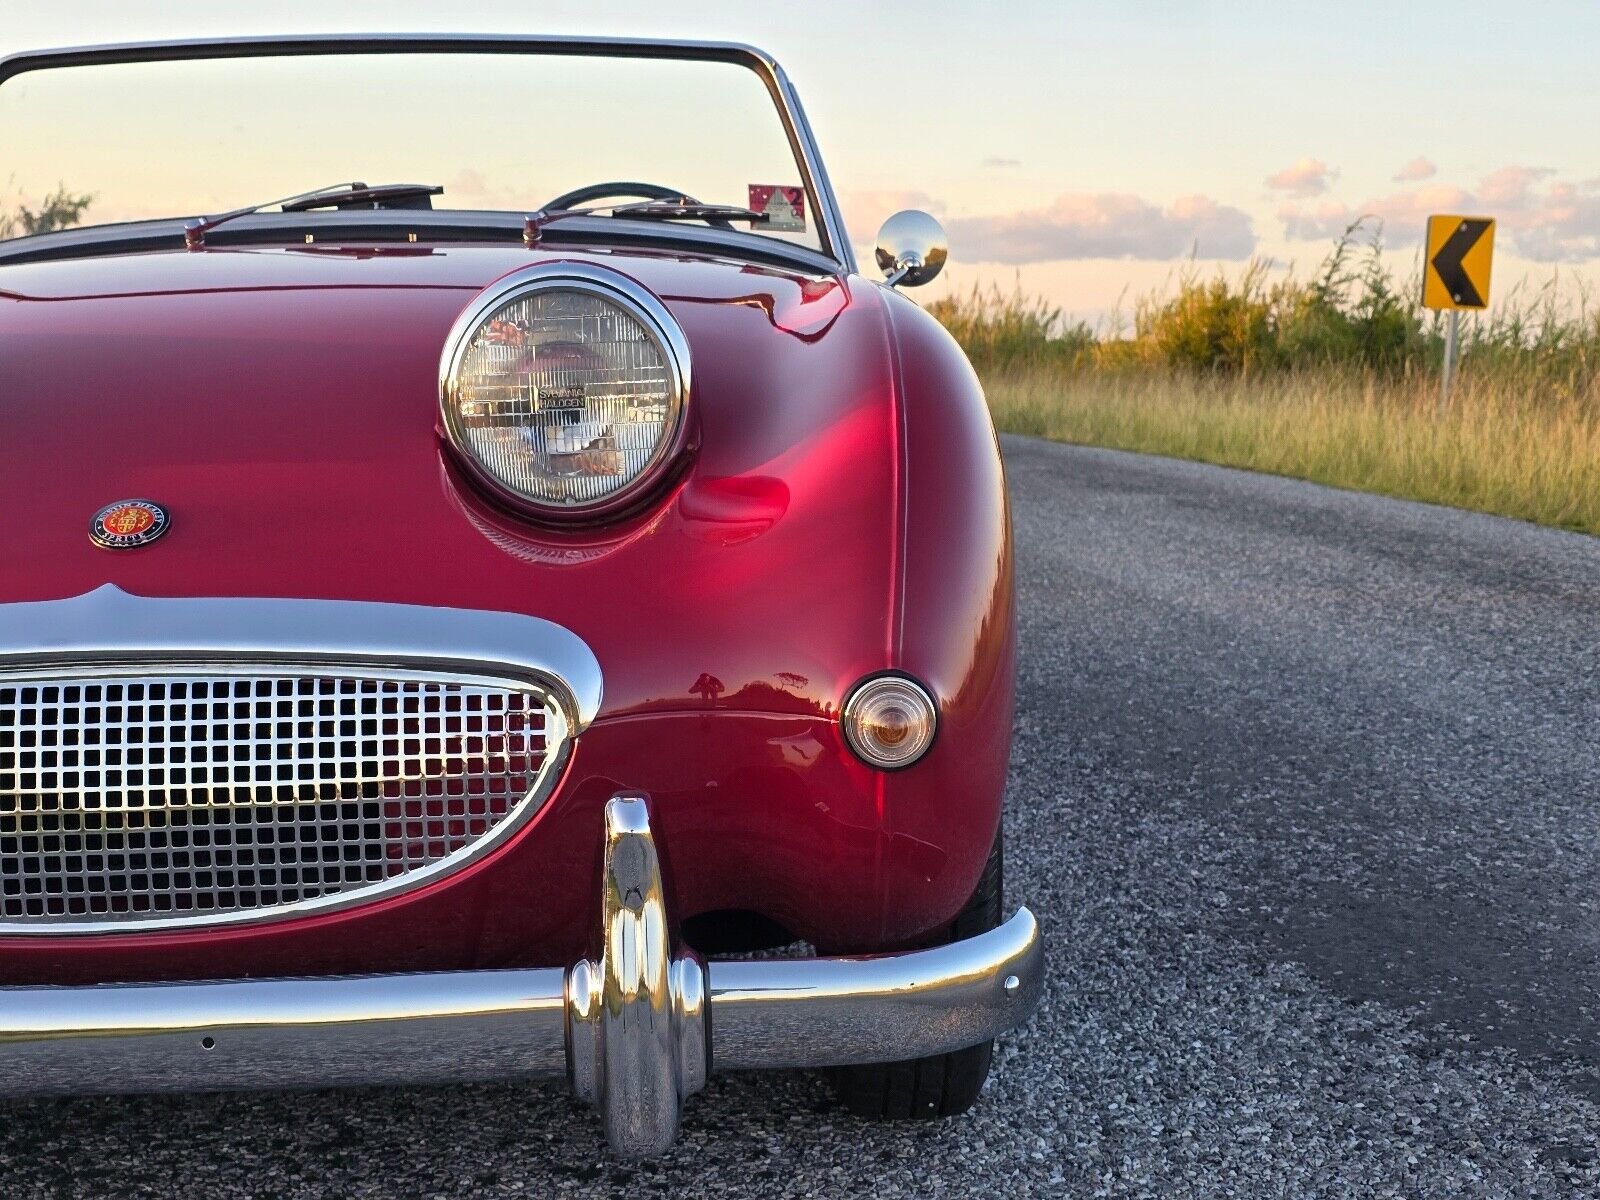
1091,151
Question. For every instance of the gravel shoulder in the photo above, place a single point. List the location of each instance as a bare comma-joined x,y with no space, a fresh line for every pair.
1306,795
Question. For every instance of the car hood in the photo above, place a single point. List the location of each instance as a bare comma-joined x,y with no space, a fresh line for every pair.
282,405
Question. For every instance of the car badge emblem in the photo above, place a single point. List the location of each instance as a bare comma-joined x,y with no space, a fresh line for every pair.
128,523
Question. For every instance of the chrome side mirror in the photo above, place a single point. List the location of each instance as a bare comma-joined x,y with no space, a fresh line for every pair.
911,249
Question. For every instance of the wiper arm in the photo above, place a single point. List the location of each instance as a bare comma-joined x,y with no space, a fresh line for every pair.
682,209
689,210
359,195
337,195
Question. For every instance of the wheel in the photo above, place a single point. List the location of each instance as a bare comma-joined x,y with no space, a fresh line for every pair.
942,1085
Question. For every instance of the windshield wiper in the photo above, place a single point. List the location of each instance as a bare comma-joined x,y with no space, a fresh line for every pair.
337,195
682,209
689,210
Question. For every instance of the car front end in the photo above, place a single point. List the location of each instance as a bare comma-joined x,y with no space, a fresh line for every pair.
491,628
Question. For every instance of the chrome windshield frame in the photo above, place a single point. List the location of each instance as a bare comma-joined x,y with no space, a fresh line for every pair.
802,141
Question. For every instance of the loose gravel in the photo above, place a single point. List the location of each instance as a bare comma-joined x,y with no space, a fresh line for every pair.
1305,794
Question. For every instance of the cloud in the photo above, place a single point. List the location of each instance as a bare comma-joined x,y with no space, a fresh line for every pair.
1002,163
1319,224
1403,214
467,182
1418,168
1541,219
1307,177
1509,186
470,186
1106,225
1564,226
866,211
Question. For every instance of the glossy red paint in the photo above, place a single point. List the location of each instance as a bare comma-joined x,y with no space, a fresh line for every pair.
841,511
954,627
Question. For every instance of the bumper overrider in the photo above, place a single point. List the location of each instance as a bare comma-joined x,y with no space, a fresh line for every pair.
636,1028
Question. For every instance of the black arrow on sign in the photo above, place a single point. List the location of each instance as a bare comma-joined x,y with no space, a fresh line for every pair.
1448,262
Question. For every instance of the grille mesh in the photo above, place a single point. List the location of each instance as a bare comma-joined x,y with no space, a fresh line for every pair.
180,795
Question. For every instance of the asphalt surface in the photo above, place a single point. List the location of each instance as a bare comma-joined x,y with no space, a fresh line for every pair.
1305,794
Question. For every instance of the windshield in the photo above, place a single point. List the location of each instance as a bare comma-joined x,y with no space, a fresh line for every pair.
111,142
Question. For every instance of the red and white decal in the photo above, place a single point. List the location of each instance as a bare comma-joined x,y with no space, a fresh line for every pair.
785,206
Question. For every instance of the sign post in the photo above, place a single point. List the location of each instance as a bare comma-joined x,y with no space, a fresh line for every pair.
1455,275
1452,340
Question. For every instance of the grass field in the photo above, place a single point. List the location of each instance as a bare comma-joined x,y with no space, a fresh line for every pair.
1334,379
1492,451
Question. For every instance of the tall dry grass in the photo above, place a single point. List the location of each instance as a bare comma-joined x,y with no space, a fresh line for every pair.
1492,450
1332,379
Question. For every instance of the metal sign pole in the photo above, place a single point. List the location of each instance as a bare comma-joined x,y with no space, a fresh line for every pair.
1451,342
1455,275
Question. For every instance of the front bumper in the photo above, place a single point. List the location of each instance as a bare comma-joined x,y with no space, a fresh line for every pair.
635,1029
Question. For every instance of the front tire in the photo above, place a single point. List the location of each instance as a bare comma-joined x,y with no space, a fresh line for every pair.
942,1085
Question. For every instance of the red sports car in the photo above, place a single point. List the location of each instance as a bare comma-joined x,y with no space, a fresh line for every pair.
451,618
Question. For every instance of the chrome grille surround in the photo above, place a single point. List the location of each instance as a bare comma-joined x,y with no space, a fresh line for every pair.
239,760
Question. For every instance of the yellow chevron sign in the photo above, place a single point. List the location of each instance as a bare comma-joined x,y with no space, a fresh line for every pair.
1455,272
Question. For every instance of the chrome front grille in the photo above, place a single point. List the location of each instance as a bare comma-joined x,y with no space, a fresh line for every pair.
147,797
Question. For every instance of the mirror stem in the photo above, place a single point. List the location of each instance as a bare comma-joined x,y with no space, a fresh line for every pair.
903,266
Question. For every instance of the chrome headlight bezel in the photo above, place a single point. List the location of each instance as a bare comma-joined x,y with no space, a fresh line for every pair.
636,301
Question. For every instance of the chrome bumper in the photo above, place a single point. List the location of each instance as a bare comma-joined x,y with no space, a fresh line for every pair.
636,1030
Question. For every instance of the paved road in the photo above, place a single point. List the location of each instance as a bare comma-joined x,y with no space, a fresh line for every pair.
1307,797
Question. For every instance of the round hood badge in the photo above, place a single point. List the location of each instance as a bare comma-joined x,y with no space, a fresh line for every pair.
128,523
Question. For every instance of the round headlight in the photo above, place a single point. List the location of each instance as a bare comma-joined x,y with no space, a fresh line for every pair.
566,388
889,721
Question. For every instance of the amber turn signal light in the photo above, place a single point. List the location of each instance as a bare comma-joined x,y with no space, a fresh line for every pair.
889,721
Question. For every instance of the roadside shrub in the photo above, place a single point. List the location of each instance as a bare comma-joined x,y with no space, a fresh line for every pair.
1352,315
1006,330
61,209
1212,324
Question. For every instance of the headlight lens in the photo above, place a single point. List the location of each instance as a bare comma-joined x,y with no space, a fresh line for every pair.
567,393
889,721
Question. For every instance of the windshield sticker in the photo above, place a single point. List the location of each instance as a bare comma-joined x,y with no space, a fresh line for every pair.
785,207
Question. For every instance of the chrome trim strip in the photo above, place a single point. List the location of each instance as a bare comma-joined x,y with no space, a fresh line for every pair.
823,199
632,1031
110,626
613,286
801,139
